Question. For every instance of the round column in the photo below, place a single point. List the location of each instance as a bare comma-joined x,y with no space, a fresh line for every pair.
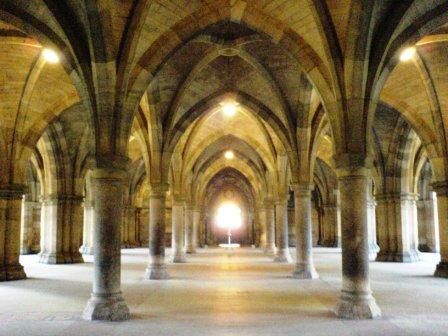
106,302
87,234
10,213
178,232
304,232
189,230
356,301
156,269
196,221
270,228
441,189
281,219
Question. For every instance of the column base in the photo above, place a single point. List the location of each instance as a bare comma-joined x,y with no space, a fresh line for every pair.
179,258
270,250
190,249
106,308
86,250
12,272
60,258
283,256
156,272
305,271
441,270
373,251
28,250
354,306
404,257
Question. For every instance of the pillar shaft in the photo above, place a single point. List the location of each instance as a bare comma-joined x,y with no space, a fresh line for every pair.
371,229
262,226
106,302
397,229
189,230
304,233
178,234
61,221
87,234
29,233
10,211
281,218
270,228
196,222
356,301
441,189
428,224
157,269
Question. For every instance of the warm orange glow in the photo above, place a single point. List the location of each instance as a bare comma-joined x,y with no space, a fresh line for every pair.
229,155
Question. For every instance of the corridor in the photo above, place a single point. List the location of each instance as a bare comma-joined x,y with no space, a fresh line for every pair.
217,292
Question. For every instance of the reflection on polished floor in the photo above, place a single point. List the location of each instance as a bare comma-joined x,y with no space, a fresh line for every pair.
217,292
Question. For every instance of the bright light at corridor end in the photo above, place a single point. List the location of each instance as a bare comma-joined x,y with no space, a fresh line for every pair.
229,216
50,56
229,155
407,54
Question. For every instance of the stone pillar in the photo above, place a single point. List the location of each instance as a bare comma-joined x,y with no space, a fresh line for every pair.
189,231
156,269
270,228
27,232
371,229
356,301
397,228
263,229
87,234
304,230
441,189
106,302
330,225
144,225
10,211
130,232
178,233
428,224
61,220
196,222
281,221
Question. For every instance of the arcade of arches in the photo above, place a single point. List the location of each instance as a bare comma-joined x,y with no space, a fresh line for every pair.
125,124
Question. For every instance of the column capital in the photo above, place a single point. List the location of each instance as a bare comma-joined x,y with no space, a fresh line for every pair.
112,162
12,191
440,187
56,199
158,190
302,189
352,165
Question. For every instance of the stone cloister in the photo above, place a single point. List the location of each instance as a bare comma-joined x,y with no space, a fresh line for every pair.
126,124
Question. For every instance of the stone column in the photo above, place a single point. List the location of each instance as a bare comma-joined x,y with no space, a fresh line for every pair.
178,232
356,301
27,234
131,233
281,220
441,189
61,220
304,230
106,302
196,222
330,225
397,227
87,234
189,230
428,224
156,269
371,229
144,225
263,229
270,228
10,211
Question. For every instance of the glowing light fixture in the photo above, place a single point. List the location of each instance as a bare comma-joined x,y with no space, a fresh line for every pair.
407,54
50,56
229,155
229,108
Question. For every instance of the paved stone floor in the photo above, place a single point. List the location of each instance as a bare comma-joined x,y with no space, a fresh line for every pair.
219,293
